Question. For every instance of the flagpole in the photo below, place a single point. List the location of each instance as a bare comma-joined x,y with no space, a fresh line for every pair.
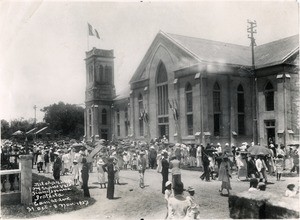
88,38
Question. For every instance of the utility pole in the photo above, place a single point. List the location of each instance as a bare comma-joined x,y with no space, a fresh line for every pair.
34,107
251,29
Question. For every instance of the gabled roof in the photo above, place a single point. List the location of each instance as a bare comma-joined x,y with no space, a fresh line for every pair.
214,51
276,52
208,51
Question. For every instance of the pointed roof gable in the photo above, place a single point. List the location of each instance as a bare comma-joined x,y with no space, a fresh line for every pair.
276,52
209,51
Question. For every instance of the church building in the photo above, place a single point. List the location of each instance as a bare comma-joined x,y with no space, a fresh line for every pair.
194,90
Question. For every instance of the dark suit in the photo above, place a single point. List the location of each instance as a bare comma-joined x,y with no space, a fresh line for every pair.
164,173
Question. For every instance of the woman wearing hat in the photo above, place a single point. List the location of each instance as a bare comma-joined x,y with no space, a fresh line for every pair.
101,173
225,175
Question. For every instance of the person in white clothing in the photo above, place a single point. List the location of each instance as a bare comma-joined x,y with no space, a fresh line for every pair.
261,167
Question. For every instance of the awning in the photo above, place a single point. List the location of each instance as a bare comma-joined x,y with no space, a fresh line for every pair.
207,133
198,133
280,131
39,131
32,130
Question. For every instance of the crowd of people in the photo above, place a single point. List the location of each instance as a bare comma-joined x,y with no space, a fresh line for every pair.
217,162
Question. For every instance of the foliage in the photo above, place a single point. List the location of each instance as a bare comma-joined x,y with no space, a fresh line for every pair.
66,118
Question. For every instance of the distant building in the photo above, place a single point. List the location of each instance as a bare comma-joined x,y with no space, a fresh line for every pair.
198,91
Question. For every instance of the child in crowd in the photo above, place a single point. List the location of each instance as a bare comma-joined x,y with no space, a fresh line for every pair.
134,162
168,191
76,172
253,185
291,192
279,166
193,211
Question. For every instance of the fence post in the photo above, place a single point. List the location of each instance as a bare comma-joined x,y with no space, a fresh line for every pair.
26,179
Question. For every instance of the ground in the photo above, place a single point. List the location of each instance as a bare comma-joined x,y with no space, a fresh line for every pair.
133,202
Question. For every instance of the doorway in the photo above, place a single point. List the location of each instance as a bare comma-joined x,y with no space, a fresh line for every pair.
270,131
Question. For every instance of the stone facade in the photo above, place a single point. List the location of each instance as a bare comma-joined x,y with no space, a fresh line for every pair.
212,87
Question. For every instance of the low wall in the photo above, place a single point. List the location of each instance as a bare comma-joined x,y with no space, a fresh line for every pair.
262,205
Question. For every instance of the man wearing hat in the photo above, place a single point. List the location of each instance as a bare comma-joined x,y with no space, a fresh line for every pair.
56,166
142,163
165,169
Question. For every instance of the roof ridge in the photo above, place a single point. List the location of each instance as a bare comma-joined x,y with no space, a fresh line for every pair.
281,39
221,42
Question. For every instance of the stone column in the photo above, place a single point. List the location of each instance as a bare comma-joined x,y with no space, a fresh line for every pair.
26,179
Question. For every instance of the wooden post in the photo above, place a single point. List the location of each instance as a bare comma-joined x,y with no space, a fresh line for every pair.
26,179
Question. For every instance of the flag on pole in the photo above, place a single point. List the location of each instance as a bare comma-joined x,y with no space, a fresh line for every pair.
93,32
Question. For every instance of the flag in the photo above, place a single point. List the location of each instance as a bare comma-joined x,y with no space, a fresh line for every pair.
91,33
97,34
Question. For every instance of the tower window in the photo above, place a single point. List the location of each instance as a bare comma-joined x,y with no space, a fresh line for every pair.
104,116
101,72
91,78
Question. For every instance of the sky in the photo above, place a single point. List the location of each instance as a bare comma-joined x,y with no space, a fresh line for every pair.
43,43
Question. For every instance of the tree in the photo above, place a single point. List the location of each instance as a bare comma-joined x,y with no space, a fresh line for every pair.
65,118
5,130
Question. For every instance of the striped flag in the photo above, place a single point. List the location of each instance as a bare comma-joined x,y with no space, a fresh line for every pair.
93,32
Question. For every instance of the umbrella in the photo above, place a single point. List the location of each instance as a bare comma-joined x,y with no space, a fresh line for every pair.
259,150
17,133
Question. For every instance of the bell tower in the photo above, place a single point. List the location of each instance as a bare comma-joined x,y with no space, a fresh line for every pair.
99,93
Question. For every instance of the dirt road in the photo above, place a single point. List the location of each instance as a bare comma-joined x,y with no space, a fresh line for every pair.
133,202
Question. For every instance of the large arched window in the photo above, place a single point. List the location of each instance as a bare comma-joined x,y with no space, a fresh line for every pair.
241,110
269,96
141,110
217,109
104,116
162,98
189,108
